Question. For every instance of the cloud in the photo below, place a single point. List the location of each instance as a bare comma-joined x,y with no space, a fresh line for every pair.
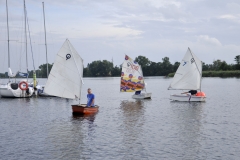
205,39
102,29
230,17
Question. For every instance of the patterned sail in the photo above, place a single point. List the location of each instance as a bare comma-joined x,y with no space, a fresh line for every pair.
65,78
189,73
131,76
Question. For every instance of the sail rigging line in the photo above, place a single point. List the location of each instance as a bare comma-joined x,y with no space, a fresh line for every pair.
8,40
25,26
197,68
45,37
21,41
77,69
30,43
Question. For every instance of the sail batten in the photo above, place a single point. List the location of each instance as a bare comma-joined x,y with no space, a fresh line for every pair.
131,76
189,73
65,78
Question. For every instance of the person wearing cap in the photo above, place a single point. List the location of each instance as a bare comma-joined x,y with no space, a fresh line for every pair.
90,98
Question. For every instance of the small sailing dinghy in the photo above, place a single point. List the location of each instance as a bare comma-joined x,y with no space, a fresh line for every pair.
188,77
132,79
65,79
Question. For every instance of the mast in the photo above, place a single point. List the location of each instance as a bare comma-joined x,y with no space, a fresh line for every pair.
25,27
45,37
8,40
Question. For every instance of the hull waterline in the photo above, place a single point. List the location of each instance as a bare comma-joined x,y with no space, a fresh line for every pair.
82,109
187,98
142,96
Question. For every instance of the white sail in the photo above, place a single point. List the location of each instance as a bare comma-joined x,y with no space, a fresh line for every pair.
10,74
65,78
131,76
189,73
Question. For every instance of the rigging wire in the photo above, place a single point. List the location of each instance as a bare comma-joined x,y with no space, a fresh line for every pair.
30,41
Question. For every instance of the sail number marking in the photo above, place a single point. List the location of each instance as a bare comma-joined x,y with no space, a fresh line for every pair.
192,60
68,56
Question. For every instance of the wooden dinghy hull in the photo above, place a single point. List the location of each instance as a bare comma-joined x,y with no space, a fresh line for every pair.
82,109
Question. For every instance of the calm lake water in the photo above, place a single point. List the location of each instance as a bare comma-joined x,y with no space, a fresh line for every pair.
44,128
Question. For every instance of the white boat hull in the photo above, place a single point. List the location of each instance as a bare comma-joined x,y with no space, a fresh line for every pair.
40,92
7,91
187,98
142,96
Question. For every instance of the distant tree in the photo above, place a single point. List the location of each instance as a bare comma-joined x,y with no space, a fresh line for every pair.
43,69
143,61
86,72
175,66
205,67
116,71
237,59
223,66
167,67
154,69
100,68
216,65
2,75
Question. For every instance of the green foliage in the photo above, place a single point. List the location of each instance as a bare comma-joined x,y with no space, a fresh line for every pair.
235,73
106,69
143,61
2,75
156,69
43,70
100,69
171,74
237,59
116,71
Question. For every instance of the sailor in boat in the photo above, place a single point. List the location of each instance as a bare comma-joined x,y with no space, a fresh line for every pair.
192,92
91,98
137,92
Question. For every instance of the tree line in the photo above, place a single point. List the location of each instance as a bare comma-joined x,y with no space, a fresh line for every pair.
106,68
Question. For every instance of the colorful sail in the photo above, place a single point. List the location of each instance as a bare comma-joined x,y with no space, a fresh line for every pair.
189,73
131,76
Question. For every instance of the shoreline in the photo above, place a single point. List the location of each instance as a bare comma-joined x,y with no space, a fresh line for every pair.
225,74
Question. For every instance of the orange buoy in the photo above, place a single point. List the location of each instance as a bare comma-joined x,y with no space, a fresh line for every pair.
201,94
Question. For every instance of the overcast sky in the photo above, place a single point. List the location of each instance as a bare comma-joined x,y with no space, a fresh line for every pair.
109,29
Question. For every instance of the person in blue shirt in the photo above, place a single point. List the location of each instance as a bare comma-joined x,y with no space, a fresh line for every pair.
138,92
90,98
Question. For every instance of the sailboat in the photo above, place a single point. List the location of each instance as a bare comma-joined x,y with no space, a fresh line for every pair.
16,89
188,77
65,79
132,79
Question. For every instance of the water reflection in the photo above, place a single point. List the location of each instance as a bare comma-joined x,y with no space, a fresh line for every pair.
188,120
132,129
81,117
87,129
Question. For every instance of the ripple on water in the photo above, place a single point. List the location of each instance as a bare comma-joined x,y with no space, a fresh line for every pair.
44,128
